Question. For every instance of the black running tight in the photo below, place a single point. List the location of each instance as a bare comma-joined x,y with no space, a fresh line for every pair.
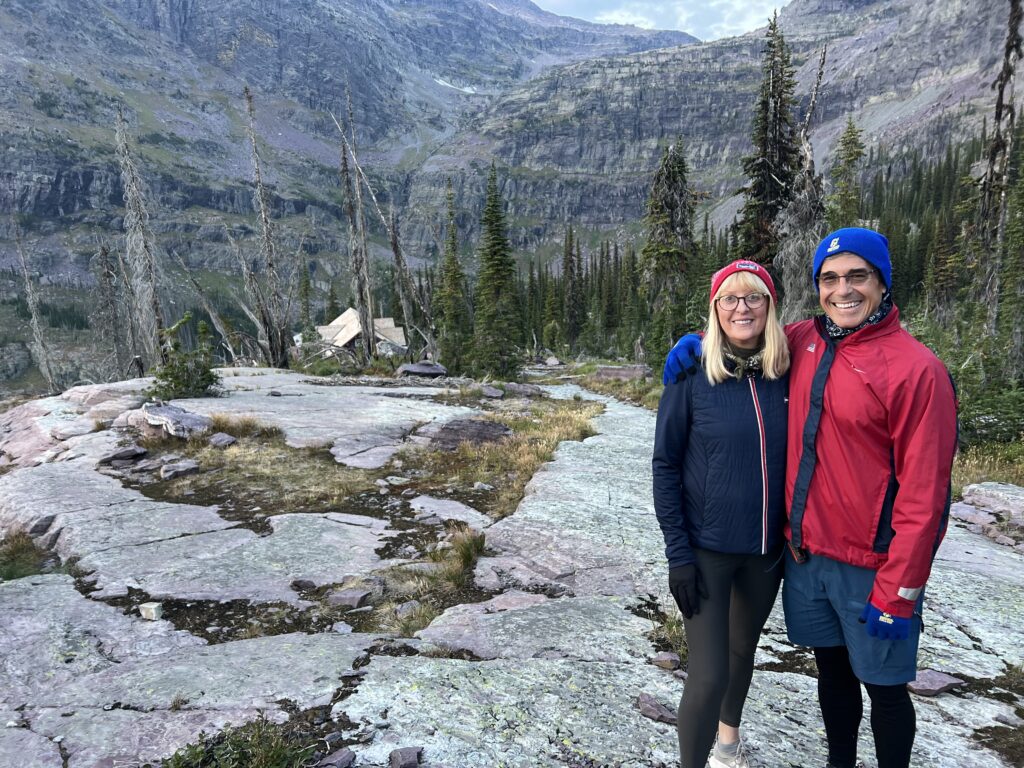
893,721
721,641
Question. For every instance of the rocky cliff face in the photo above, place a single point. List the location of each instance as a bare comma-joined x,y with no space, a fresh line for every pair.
575,114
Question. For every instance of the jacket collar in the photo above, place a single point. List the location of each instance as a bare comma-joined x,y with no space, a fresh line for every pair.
889,324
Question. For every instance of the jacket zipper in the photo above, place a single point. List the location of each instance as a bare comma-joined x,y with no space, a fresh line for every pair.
764,468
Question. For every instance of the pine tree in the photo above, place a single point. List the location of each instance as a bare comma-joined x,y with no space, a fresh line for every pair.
497,333
452,312
773,165
333,309
668,253
844,203
572,314
306,326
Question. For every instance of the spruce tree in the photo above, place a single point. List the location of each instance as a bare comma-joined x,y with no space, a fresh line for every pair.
668,253
452,310
572,315
775,160
497,332
843,206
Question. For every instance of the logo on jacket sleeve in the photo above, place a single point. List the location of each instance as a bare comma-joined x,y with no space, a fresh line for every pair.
834,245
812,346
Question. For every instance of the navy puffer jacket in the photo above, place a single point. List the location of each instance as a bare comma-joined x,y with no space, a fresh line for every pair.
720,466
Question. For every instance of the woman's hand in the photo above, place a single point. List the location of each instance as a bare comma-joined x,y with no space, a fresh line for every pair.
687,587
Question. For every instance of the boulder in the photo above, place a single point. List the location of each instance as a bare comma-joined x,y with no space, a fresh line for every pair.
622,372
348,598
424,368
475,431
151,611
221,440
651,708
406,757
124,453
514,389
968,514
666,660
178,469
175,421
491,392
552,361
1001,498
929,682
343,758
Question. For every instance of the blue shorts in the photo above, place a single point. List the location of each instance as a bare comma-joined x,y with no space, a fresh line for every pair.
823,600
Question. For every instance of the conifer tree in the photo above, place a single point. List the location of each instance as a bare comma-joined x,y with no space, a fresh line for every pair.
844,203
668,252
572,315
452,310
305,305
333,308
773,165
497,332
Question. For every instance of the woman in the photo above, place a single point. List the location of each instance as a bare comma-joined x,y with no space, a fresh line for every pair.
719,493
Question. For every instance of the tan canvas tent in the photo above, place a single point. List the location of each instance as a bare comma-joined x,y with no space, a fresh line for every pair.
345,329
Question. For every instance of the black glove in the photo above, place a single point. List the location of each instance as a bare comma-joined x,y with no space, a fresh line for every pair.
687,587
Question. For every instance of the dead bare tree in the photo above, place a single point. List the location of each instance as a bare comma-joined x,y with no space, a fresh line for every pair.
801,224
359,256
408,295
229,337
272,306
140,255
40,348
108,317
995,182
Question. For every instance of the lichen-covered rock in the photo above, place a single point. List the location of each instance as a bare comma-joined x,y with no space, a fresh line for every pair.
996,497
449,509
517,625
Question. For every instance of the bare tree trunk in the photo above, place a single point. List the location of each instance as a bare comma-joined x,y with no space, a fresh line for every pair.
39,345
140,254
227,334
108,315
270,304
357,246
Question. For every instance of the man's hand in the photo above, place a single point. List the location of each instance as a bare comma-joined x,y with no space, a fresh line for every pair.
883,625
687,587
683,359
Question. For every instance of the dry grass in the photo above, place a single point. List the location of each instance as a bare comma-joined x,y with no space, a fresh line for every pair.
409,623
670,635
241,426
509,464
642,392
19,557
266,469
995,462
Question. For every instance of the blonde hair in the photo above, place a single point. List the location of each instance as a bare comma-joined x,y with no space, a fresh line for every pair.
774,358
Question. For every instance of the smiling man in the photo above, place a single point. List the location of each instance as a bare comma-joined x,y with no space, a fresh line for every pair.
871,437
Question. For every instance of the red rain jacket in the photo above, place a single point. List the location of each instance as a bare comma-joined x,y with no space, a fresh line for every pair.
872,433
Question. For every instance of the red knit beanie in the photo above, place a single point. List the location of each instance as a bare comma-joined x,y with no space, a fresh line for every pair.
742,265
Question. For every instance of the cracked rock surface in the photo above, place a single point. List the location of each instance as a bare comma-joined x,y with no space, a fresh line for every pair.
544,672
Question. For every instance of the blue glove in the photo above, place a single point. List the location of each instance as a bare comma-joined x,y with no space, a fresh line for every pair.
683,359
883,625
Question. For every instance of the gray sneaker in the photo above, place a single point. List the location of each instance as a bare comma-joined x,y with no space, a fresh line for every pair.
739,760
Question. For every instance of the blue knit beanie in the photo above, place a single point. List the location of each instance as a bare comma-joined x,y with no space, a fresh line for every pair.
866,243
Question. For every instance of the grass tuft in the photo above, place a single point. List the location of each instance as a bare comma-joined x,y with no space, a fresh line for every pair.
259,744
20,557
241,426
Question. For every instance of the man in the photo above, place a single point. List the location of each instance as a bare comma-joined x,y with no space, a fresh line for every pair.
872,433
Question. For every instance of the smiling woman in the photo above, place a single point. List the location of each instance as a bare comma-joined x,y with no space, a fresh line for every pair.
710,20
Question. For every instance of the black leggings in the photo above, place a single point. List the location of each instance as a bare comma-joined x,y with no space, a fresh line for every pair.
893,721
721,641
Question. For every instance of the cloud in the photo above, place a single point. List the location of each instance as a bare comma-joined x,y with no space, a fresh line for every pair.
707,19
625,16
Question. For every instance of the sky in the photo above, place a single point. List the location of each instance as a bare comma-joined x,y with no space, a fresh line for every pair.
705,19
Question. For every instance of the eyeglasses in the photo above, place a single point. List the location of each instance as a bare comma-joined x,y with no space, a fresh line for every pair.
854,278
752,300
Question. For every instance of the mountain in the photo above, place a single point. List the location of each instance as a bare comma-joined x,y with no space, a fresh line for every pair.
574,114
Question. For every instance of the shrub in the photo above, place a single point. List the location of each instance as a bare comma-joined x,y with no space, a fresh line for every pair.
185,373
